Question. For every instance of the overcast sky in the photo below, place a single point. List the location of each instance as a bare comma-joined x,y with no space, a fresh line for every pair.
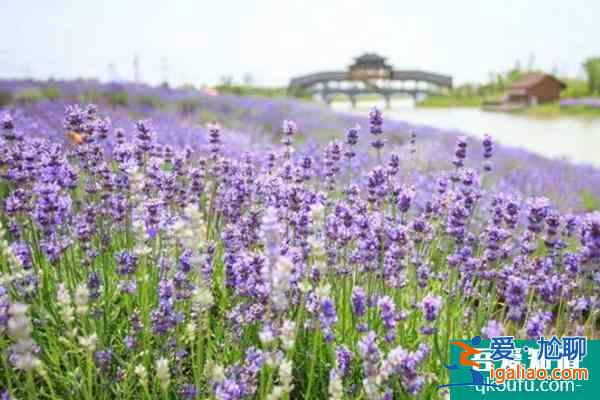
274,40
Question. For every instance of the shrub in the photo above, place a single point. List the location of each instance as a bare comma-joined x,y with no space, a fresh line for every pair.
117,98
29,96
5,98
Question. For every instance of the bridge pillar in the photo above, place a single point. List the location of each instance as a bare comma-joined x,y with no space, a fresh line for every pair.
388,101
353,101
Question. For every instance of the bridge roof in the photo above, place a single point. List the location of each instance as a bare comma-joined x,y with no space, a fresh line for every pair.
368,57
317,77
399,75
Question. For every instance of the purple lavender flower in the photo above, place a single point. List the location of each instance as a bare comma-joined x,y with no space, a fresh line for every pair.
376,119
188,392
230,389
393,164
103,359
488,146
538,210
536,325
343,357
214,138
7,122
126,263
461,152
369,351
4,306
515,292
165,317
130,342
492,329
404,199
590,237
387,311
289,129
413,142
328,318
405,364
359,301
8,129
431,306
351,141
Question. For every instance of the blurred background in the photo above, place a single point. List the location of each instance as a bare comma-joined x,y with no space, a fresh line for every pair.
526,72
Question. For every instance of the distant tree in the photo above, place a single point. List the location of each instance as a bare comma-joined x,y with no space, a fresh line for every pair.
514,75
226,80
500,82
517,66
592,69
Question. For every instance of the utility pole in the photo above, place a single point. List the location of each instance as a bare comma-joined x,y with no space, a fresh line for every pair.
136,67
530,62
112,72
165,70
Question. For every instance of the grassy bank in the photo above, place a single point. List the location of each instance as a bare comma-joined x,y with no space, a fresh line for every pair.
549,110
554,110
451,101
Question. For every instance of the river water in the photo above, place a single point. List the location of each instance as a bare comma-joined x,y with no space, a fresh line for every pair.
576,139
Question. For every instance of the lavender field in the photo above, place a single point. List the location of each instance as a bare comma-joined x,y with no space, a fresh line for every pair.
167,244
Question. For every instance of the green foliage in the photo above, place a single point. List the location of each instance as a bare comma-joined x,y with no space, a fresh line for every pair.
592,68
90,96
589,202
472,95
576,88
4,189
50,92
153,102
554,110
5,98
117,98
208,116
452,101
29,96
188,106
244,90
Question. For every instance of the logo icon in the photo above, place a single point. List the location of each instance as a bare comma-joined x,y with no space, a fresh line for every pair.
468,351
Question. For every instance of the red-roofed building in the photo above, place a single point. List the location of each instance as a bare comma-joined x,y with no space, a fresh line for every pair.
535,88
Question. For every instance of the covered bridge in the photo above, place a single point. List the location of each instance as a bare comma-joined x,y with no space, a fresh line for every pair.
370,73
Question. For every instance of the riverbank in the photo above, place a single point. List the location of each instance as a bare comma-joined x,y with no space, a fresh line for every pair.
554,110
550,110
451,101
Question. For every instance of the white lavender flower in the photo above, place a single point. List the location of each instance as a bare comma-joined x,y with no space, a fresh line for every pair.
63,300
266,335
288,334
285,381
280,282
82,297
216,372
141,372
336,389
19,329
285,376
162,372
88,343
